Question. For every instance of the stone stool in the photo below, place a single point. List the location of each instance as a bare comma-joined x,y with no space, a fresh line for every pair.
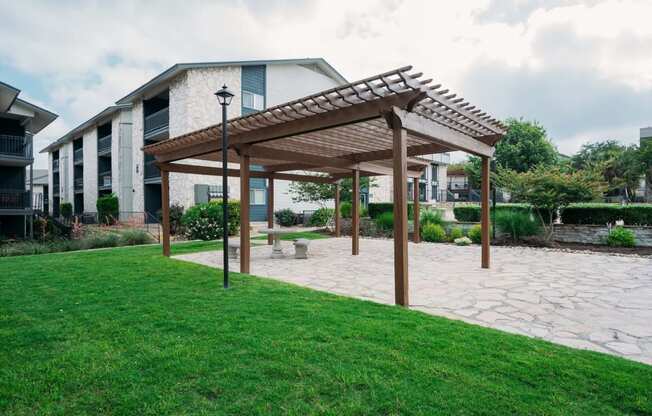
301,248
233,249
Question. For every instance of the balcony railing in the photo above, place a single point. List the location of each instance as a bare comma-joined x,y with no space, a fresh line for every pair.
104,144
104,180
157,122
14,199
79,184
78,156
15,146
55,165
151,171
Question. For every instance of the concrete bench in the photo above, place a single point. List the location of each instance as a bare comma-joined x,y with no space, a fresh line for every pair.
301,248
234,246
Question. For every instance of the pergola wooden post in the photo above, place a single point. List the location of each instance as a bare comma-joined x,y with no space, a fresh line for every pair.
245,249
355,213
337,209
400,214
485,213
416,212
165,211
270,209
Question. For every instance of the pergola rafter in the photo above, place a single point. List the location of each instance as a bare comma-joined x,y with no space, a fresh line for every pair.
375,126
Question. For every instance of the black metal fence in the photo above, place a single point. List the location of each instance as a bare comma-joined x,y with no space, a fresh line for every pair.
104,144
157,121
14,199
17,146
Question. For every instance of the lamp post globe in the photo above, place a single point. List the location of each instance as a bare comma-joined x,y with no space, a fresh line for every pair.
224,97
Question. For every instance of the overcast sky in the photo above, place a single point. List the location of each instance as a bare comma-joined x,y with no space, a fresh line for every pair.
581,68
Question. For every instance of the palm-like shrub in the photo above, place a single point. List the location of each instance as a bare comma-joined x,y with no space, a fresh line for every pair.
431,216
321,217
517,224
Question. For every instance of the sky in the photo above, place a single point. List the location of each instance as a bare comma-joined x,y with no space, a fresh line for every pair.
583,69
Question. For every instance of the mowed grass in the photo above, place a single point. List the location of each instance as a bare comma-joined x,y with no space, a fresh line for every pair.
126,331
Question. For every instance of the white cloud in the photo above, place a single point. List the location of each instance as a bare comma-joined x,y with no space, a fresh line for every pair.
93,53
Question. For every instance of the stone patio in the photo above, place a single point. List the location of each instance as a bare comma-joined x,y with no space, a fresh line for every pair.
590,301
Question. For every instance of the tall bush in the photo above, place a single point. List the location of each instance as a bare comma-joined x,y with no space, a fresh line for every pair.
204,221
517,224
108,209
385,221
346,209
66,210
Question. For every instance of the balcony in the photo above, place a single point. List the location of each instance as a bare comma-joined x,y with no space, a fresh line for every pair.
104,145
55,165
78,156
14,199
104,181
79,185
156,124
17,150
151,171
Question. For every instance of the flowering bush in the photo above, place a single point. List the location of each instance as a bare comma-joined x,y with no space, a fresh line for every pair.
204,221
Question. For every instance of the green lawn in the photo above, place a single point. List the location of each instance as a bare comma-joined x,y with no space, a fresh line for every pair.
126,331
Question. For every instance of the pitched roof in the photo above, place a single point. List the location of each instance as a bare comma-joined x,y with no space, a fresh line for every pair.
176,69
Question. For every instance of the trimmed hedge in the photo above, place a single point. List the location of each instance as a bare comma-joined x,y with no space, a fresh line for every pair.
471,213
634,214
108,209
378,208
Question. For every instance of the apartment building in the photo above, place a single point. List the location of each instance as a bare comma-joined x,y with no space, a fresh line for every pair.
432,183
20,120
104,154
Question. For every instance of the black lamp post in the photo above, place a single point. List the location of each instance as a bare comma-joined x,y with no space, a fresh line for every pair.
224,97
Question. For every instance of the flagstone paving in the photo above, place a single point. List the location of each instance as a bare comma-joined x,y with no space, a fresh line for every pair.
591,301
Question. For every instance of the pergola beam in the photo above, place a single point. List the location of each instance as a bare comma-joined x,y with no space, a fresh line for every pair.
211,171
423,127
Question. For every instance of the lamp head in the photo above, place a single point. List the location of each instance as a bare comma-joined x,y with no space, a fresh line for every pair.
224,96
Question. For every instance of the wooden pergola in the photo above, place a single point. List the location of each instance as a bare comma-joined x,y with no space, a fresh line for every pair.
375,126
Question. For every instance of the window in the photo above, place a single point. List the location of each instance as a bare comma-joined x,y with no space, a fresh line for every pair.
257,197
215,191
253,100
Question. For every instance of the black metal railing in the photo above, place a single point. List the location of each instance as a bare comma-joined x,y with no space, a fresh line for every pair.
17,146
78,155
14,199
104,144
55,165
104,179
79,184
151,171
157,121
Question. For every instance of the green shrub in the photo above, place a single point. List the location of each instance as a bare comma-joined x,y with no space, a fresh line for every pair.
621,237
455,233
364,212
593,213
433,233
65,208
475,234
135,237
385,221
345,209
107,209
378,208
467,213
176,214
321,217
431,216
204,221
517,224
286,217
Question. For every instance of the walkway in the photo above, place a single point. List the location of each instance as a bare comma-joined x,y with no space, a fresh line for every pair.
591,301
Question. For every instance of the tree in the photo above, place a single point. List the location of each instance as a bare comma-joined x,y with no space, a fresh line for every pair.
322,192
525,146
620,166
549,190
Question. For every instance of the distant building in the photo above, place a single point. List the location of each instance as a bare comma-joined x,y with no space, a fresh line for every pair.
646,137
19,122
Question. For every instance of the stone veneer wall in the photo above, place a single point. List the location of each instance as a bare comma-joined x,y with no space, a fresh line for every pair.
596,234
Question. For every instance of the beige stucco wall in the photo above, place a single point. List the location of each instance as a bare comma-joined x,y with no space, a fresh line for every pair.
90,169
